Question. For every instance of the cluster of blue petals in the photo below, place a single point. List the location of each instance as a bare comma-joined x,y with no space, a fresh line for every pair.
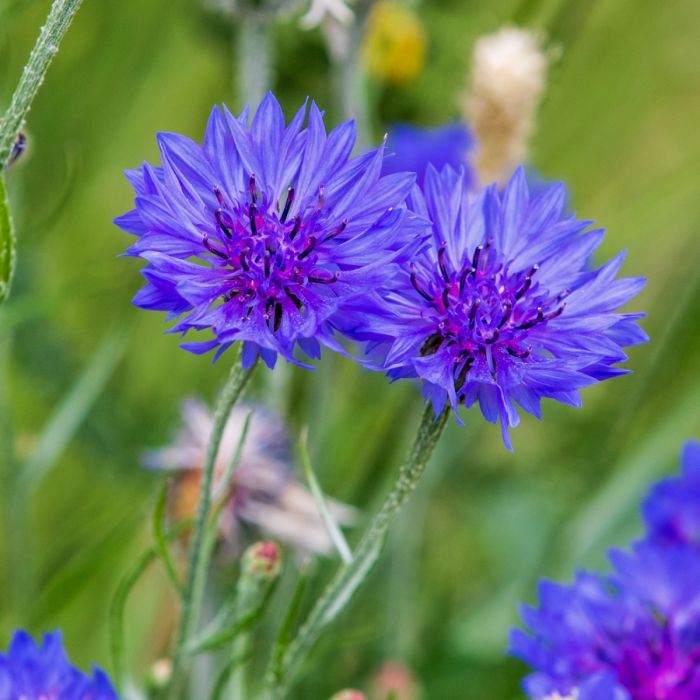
29,671
412,149
267,231
273,235
633,634
502,306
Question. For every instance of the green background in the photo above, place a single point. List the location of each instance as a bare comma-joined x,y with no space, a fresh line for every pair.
619,124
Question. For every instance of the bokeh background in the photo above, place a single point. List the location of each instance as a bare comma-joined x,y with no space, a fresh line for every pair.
619,123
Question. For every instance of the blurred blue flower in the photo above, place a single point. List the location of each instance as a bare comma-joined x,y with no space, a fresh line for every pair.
502,307
638,628
265,232
32,672
411,148
672,509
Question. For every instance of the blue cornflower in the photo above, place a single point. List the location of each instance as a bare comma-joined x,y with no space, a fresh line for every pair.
266,231
639,627
32,672
502,307
411,148
672,509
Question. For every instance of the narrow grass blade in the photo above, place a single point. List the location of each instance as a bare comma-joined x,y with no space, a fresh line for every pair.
284,637
334,531
73,410
117,610
160,538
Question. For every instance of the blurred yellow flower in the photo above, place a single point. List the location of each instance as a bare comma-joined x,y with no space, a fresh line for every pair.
395,43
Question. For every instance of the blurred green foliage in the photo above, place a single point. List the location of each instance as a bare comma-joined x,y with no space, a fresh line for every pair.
619,125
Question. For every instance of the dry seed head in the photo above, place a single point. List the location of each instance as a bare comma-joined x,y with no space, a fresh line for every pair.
508,77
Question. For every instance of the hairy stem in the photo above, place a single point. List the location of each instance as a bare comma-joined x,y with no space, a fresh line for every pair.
350,577
199,551
46,47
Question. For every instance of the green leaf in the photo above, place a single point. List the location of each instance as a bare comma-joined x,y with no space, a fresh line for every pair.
276,667
7,244
73,410
160,540
334,531
222,637
117,609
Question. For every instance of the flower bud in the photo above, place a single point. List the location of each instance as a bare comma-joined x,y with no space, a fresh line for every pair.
349,694
159,675
263,560
396,680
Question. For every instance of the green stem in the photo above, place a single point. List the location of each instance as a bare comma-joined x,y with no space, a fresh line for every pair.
253,50
117,610
350,577
57,23
199,551
350,77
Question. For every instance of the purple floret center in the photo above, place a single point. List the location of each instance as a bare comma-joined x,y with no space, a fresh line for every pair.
272,257
480,307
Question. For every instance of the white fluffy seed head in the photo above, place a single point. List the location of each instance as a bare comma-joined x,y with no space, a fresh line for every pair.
509,71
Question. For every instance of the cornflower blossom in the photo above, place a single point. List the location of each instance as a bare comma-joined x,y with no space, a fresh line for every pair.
503,306
672,509
266,232
631,635
29,671
264,492
508,78
412,148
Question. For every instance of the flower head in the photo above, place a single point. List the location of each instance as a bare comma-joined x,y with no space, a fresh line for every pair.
632,635
37,672
503,306
672,509
641,627
413,149
263,492
266,231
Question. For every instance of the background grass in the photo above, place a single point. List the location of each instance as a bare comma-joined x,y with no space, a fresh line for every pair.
619,125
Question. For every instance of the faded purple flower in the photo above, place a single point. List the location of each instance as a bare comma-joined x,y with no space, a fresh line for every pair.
264,492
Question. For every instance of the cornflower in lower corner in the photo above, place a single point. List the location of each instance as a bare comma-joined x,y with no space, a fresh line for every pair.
632,635
503,307
266,231
29,671
264,492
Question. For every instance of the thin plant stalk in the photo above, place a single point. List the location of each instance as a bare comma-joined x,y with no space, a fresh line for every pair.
350,76
351,576
199,551
253,56
57,23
